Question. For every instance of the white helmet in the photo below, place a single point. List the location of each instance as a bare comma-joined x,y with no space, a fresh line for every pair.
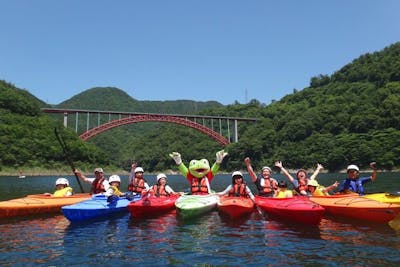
237,173
161,175
62,181
353,167
139,169
114,178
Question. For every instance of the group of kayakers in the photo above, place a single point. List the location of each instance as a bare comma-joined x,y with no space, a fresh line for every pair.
199,175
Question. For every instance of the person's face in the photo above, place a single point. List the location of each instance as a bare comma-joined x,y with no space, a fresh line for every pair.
139,174
162,181
238,179
60,186
301,175
266,173
98,174
353,174
116,184
311,188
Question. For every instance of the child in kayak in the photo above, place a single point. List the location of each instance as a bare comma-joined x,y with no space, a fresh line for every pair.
137,184
283,190
238,188
113,192
315,189
62,188
354,183
162,189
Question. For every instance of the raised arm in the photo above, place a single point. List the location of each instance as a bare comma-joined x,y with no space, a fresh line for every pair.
284,171
316,172
373,167
250,170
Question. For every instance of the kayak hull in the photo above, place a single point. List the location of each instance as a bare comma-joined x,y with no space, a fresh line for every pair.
37,204
190,206
151,206
358,207
235,206
294,209
385,197
96,207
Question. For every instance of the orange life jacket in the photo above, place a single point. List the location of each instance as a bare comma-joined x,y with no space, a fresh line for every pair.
238,190
199,186
302,186
137,185
97,186
269,187
159,191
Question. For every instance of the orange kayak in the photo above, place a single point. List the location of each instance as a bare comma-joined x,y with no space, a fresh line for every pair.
358,207
295,209
37,204
235,206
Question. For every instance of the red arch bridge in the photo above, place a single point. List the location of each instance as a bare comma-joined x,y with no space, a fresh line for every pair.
221,129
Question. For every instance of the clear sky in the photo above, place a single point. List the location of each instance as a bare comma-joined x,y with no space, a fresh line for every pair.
222,50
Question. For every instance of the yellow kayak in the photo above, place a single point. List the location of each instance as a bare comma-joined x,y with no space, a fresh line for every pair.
385,197
36,204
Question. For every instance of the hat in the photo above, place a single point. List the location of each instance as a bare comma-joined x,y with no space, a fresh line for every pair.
161,175
313,183
353,167
98,170
139,169
266,168
237,173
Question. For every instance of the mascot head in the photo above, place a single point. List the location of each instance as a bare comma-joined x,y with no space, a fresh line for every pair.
199,168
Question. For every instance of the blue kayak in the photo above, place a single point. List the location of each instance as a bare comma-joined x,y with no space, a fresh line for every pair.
96,207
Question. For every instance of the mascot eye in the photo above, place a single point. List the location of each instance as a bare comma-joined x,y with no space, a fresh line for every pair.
192,162
204,161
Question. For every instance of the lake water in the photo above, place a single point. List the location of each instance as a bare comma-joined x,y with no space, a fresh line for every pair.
210,240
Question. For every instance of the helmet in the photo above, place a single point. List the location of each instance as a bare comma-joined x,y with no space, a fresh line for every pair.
161,175
353,167
313,183
266,168
237,173
139,169
114,178
62,181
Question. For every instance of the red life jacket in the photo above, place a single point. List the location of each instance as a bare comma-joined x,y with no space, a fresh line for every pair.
302,186
199,186
238,190
137,185
97,186
159,191
270,186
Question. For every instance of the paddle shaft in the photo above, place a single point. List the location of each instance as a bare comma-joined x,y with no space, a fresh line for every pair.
67,157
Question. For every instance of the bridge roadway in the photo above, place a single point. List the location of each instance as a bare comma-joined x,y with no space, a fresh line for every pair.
124,118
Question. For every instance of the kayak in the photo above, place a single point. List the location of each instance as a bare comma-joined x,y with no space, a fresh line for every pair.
37,204
189,206
385,197
358,207
152,205
295,209
235,206
96,207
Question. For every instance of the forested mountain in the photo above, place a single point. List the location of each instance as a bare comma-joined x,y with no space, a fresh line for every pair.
351,116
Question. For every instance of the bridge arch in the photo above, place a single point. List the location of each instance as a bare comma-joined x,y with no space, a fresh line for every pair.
154,118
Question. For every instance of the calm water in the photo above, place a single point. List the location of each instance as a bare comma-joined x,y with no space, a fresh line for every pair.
210,240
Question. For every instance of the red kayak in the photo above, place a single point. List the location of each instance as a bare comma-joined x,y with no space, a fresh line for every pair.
150,206
235,206
294,209
358,207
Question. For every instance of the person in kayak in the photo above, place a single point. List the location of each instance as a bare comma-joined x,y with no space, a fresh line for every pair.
267,186
237,188
62,188
99,182
315,189
137,183
283,191
300,183
162,189
355,184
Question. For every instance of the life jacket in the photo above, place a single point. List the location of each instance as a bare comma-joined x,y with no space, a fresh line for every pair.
116,191
238,190
199,186
159,191
283,193
269,187
302,186
97,186
137,185
355,186
62,192
318,192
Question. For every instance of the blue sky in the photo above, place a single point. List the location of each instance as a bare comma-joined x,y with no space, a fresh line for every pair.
222,50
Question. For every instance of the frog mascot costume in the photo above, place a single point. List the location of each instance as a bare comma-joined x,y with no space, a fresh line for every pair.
199,174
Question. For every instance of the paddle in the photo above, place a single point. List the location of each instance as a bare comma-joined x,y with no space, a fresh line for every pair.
259,210
67,156
394,193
